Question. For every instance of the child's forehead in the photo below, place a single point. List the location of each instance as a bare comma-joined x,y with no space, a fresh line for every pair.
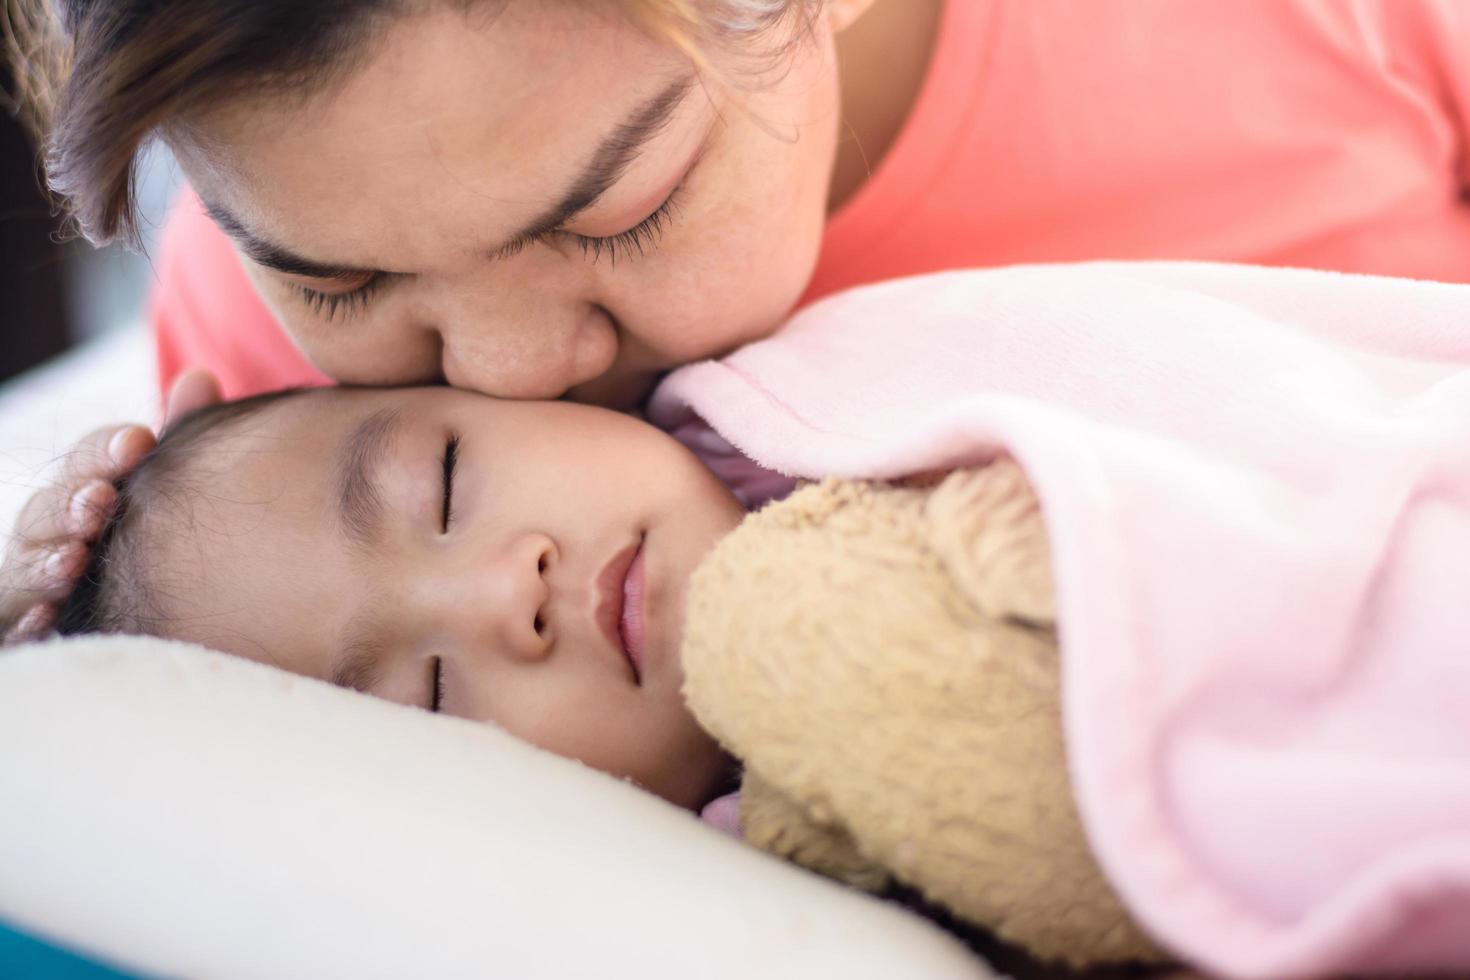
329,411
289,438
260,493
318,431
315,433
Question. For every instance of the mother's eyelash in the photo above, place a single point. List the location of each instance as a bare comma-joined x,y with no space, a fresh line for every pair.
328,305
642,238
635,242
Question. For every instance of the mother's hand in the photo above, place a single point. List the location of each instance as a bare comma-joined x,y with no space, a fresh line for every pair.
50,546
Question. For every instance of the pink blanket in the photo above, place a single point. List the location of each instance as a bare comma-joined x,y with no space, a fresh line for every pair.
1258,488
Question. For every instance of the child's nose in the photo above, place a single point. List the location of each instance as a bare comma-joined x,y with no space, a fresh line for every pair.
500,603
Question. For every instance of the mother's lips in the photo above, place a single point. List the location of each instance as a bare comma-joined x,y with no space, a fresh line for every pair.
612,596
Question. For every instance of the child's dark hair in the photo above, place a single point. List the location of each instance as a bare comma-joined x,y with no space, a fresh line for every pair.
122,587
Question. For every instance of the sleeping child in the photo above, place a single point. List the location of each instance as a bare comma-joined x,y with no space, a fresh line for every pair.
523,564
520,563
1123,616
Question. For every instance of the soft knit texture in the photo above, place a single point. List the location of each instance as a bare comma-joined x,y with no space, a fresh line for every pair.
183,813
884,660
1321,133
1256,485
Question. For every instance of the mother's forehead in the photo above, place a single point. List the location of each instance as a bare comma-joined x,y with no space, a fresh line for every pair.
445,119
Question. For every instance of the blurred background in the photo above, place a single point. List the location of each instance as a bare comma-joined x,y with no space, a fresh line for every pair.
75,351
53,293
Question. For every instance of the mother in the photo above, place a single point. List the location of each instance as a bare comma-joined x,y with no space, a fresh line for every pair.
568,197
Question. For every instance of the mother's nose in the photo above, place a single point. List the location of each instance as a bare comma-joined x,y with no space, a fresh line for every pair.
527,352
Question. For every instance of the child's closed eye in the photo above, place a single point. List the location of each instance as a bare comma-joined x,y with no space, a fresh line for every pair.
436,686
450,460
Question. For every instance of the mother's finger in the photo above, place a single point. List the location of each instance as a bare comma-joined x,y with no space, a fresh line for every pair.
36,624
89,509
100,457
38,574
193,389
49,548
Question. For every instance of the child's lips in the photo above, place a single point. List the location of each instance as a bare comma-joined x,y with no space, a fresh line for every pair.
620,604
633,626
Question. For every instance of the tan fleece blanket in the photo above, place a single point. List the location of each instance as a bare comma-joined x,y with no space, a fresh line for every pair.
883,658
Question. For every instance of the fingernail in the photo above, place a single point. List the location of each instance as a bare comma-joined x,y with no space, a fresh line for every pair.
59,567
119,444
82,506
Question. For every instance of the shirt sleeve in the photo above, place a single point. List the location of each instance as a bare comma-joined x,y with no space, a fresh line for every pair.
206,313
1430,40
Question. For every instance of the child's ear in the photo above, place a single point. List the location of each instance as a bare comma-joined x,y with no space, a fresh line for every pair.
842,14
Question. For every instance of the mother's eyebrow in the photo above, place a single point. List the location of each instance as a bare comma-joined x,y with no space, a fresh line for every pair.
609,162
264,252
606,167
358,494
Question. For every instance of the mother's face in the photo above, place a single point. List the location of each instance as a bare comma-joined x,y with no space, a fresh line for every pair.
531,204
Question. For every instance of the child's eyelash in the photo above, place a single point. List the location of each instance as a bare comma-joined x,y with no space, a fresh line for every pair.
436,699
451,458
328,305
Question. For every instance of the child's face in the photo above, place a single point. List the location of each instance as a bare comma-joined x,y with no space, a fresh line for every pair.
550,603
439,203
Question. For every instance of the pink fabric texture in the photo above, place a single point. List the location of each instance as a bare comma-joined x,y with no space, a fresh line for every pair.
207,314
1258,488
752,484
1320,133
723,813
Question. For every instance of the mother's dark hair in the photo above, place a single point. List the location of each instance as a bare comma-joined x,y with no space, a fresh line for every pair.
103,76
99,78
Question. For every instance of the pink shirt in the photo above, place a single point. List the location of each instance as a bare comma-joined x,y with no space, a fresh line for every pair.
1318,133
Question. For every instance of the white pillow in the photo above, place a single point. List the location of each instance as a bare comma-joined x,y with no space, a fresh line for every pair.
185,813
